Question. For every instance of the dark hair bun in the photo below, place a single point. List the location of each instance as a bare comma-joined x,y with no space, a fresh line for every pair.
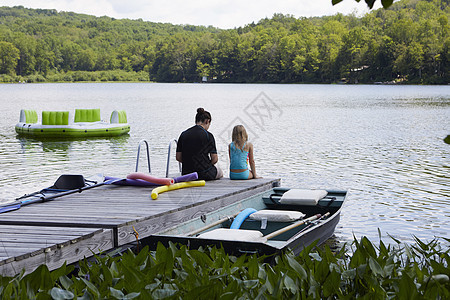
202,115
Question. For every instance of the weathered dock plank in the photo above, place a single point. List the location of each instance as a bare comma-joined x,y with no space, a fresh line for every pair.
102,218
27,247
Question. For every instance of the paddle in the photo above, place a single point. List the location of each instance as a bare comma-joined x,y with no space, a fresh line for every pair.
19,204
218,222
287,228
311,224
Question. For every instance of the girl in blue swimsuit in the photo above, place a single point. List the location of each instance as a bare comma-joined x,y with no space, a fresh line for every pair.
241,155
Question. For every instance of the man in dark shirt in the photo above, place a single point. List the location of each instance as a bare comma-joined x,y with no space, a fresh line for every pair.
196,149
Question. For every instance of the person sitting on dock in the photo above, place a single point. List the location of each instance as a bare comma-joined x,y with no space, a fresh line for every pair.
196,149
241,155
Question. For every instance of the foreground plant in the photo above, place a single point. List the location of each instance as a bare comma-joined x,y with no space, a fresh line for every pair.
418,271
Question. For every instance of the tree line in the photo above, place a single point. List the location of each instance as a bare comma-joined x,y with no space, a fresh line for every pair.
409,43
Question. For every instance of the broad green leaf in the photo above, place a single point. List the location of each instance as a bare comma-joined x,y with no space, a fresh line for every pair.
375,267
107,274
131,296
65,281
395,240
290,284
334,2
441,278
331,285
407,288
60,272
8,291
370,3
39,279
114,270
116,293
316,256
228,296
58,294
387,3
91,287
86,296
388,269
249,284
334,267
253,267
368,246
349,274
297,267
447,139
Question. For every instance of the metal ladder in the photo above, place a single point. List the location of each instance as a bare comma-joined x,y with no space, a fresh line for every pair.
138,154
144,142
168,157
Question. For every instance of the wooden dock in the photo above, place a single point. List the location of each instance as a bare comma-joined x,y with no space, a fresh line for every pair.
75,226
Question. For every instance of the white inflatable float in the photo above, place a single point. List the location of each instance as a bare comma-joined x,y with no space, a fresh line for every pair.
86,123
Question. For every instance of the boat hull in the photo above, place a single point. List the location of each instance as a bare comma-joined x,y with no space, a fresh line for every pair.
293,240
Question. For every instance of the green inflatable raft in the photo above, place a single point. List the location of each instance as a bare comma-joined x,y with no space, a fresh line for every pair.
86,123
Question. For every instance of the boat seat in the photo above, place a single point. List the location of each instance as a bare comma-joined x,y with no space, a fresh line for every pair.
272,215
28,116
118,116
69,182
55,118
87,115
241,235
302,197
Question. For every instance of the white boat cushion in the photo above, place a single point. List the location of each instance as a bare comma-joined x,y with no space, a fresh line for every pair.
273,215
241,235
302,197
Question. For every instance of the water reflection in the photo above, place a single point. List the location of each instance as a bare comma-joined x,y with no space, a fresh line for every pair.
119,144
58,145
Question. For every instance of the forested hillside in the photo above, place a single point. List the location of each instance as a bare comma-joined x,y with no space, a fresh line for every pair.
407,43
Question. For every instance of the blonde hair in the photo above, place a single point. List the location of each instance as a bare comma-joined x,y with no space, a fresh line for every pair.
239,136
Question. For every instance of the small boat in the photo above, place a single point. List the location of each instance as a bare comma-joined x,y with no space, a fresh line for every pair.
269,223
86,123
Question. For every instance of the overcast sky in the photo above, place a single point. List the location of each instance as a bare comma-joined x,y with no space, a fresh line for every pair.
223,14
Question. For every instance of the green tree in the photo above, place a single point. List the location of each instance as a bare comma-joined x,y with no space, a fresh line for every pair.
329,44
409,61
410,40
27,49
9,56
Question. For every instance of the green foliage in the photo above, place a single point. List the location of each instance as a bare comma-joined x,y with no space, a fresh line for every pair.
9,55
418,271
409,42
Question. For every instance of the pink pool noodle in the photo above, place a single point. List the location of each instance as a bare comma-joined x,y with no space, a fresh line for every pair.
140,182
134,182
150,178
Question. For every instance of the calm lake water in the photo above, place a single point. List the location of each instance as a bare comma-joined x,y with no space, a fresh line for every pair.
382,143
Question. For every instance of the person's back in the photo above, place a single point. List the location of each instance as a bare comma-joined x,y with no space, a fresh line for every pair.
196,149
195,144
238,157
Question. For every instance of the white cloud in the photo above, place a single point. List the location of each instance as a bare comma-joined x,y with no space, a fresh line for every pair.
222,14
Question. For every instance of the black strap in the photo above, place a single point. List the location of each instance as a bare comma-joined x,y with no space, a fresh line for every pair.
271,199
332,200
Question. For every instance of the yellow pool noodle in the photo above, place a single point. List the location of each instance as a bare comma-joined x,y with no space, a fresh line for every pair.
175,186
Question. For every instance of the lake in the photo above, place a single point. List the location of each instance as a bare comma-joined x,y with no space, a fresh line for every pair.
382,143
